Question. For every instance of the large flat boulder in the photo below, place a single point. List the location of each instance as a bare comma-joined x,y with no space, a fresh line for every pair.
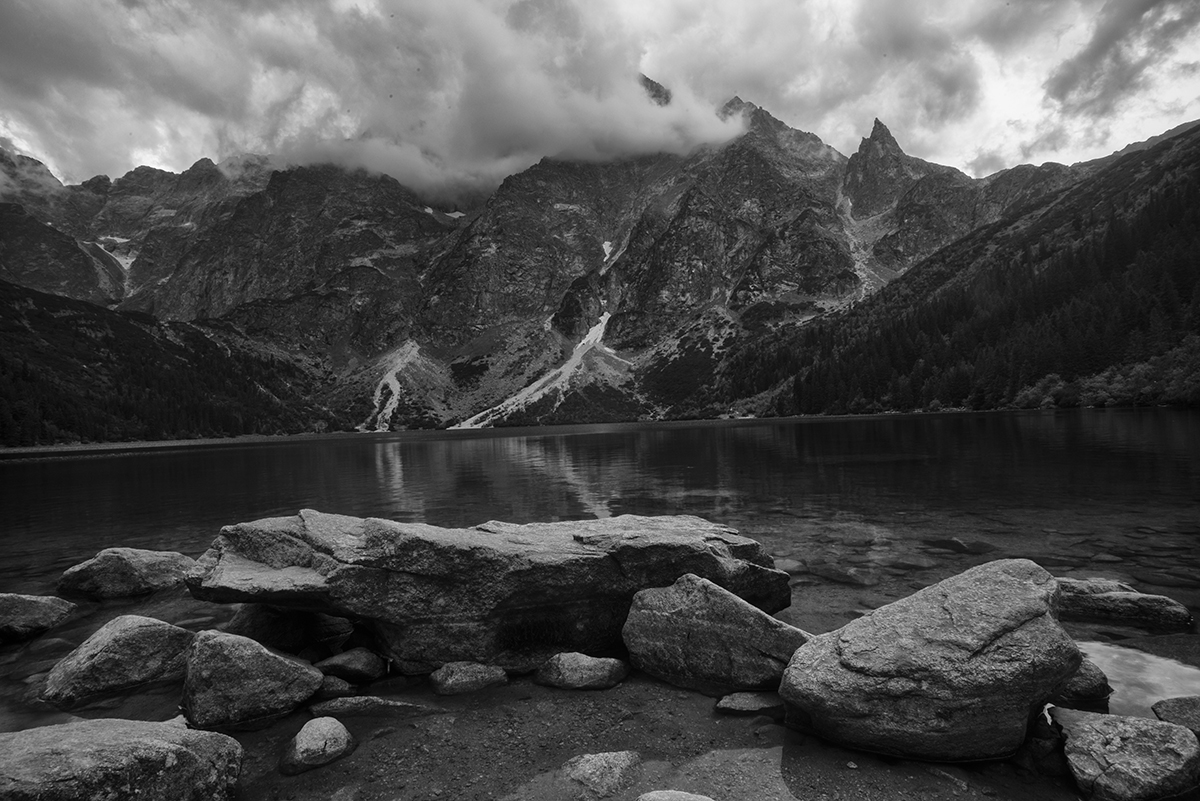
953,672
505,594
26,616
234,683
1116,758
697,635
125,572
113,759
126,652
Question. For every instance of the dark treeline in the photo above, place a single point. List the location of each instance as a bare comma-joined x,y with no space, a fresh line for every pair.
74,372
1102,310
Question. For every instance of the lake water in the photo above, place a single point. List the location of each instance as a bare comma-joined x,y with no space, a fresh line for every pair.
876,507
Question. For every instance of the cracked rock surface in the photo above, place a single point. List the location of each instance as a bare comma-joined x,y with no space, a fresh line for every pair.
950,673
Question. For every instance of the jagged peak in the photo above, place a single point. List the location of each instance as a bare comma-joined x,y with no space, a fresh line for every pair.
735,105
881,137
658,93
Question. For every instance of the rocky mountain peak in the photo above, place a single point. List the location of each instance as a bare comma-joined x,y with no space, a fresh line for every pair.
658,93
880,172
882,137
735,105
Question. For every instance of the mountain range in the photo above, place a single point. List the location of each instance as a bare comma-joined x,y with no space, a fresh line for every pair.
768,275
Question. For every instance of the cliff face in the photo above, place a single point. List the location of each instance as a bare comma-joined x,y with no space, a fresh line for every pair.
577,291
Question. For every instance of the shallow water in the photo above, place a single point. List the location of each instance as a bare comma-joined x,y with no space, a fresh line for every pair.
877,507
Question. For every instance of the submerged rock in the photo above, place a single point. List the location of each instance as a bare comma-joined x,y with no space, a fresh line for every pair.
117,759
456,678
358,665
1116,758
125,652
697,635
123,572
604,774
951,673
505,594
319,742
372,705
235,683
1182,711
671,795
769,704
576,671
26,616
1109,601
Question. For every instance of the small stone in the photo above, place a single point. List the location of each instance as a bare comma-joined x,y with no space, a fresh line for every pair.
1128,759
604,774
852,766
357,666
319,742
125,572
1182,711
576,671
26,616
455,678
769,704
366,705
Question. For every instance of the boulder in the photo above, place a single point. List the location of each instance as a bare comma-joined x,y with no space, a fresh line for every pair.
333,687
371,705
456,678
1115,758
125,652
358,665
602,775
291,630
1182,711
319,742
953,672
114,759
1109,601
26,616
1088,686
505,594
576,671
123,572
235,683
698,635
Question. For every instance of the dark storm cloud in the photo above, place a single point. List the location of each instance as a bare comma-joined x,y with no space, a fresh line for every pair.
1131,37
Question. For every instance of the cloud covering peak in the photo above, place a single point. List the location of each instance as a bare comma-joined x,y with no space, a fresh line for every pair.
449,95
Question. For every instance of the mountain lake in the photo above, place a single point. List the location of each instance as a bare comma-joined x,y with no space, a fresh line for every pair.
861,510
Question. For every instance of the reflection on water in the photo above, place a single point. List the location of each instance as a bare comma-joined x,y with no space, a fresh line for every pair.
1140,679
864,510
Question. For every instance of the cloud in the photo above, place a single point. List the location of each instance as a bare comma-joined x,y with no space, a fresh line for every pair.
1130,38
986,163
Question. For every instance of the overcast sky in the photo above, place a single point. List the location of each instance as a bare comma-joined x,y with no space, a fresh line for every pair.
461,92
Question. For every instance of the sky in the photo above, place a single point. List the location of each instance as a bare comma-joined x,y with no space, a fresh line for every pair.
447,95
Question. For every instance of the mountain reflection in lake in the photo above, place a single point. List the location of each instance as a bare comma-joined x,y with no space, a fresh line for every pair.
861,510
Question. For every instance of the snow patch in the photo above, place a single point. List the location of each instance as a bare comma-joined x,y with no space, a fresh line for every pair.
607,249
568,207
428,210
456,214
557,379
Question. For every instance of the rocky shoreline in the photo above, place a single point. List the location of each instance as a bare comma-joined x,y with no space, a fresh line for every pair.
355,634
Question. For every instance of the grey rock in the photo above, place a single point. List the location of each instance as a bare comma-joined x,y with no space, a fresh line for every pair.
953,672
576,671
333,687
456,678
368,705
125,652
769,704
124,572
358,666
1182,711
1088,685
118,759
1108,601
604,774
26,616
697,635
505,594
319,742
1115,758
236,683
